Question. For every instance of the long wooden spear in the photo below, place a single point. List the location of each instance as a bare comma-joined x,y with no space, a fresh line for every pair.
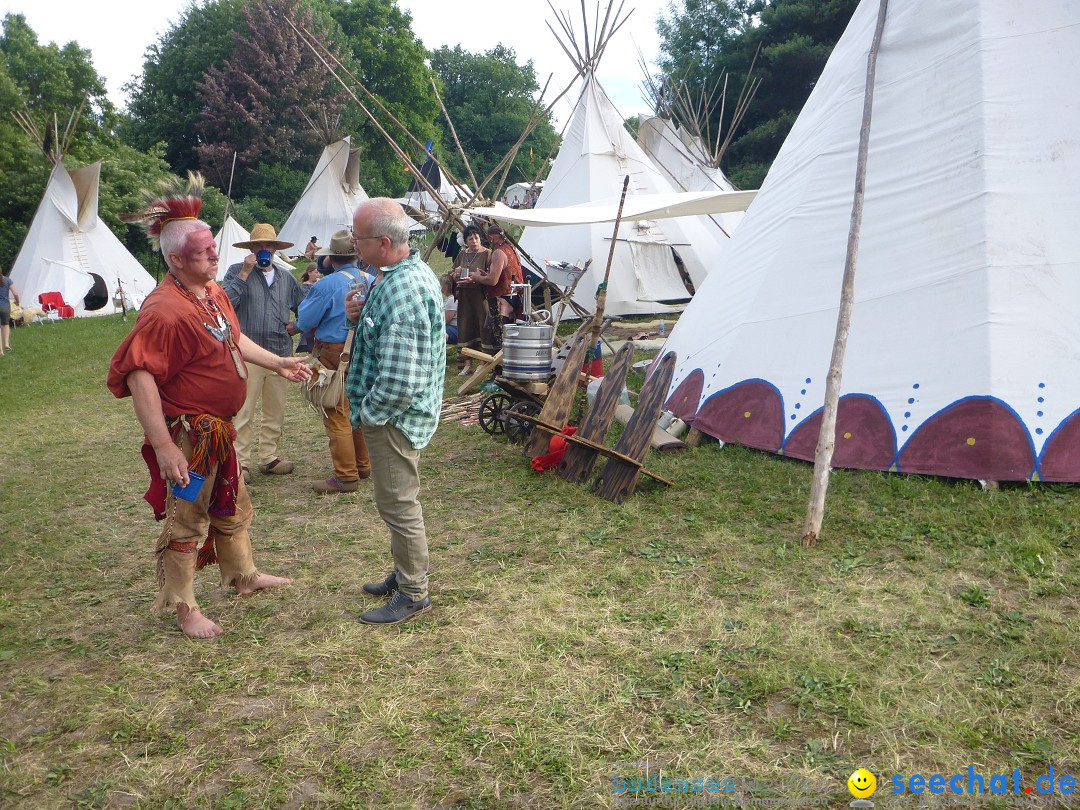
815,512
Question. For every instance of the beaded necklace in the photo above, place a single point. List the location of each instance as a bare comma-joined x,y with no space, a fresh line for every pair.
222,332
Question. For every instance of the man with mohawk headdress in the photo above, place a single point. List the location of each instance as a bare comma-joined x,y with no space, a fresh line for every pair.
184,366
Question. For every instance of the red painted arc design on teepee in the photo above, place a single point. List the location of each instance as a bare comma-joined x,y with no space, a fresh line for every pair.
749,413
684,400
1060,459
977,437
865,438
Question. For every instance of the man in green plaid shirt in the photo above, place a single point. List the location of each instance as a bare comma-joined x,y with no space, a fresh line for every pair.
395,387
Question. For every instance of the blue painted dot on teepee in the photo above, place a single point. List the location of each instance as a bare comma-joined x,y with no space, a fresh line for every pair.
1038,413
793,417
803,392
911,401
1042,385
798,405
907,414
808,380
1041,400
1038,431
916,385
903,428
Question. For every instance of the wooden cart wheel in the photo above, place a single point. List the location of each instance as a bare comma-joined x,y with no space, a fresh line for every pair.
492,413
518,430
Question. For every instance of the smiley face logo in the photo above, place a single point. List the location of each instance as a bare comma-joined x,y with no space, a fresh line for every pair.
862,784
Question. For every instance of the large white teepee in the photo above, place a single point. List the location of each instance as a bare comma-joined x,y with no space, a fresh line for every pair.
231,233
686,163
965,342
595,156
328,201
70,251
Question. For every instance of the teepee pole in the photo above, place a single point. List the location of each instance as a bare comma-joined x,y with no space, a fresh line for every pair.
453,130
815,512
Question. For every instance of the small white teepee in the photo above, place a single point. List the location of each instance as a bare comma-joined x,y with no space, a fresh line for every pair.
328,201
594,157
686,163
231,233
421,200
70,251
964,343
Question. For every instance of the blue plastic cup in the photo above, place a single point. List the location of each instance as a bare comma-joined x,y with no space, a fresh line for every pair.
263,258
193,488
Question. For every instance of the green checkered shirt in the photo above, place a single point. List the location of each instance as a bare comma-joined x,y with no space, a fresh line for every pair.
399,357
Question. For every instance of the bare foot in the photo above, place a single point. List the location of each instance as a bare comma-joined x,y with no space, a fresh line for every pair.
194,624
260,582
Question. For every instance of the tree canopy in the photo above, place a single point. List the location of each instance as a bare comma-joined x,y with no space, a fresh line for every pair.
704,38
490,98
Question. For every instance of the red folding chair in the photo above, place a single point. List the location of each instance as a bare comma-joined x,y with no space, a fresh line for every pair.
54,302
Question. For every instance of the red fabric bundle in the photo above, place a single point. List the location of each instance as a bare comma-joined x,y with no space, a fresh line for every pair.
555,451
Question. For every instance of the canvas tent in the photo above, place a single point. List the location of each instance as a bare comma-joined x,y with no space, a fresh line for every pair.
420,200
964,338
594,157
328,201
69,250
231,233
686,163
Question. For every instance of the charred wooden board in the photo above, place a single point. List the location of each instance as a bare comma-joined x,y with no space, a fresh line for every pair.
560,399
599,448
618,479
577,463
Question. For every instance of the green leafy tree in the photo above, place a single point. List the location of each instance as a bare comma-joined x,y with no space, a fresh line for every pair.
490,98
703,38
163,106
382,51
252,103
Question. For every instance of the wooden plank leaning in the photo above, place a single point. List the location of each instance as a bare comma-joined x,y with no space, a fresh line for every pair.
560,398
618,479
577,463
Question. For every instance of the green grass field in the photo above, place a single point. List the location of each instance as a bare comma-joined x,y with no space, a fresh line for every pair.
686,631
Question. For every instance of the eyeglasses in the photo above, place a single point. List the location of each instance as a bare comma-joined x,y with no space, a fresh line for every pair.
361,238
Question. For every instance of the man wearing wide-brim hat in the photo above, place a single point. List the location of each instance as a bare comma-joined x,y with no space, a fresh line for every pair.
264,299
324,311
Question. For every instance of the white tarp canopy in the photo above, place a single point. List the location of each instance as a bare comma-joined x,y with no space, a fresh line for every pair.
328,201
231,233
594,157
69,250
965,342
639,206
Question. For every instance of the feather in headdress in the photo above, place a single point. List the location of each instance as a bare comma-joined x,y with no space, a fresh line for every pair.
173,200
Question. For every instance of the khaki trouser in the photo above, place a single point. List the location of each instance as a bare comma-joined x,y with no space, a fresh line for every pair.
396,478
272,389
186,526
348,451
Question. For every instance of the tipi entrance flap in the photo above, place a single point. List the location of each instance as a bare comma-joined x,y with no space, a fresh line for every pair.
657,274
87,180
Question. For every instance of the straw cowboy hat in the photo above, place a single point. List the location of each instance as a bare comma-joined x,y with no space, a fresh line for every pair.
341,246
263,232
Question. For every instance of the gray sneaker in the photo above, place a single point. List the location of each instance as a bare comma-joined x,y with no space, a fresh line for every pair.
398,609
384,588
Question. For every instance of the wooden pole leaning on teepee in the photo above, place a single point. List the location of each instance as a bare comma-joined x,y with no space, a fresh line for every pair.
601,293
815,512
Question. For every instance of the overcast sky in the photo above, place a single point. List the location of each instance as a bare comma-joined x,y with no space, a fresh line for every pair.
118,32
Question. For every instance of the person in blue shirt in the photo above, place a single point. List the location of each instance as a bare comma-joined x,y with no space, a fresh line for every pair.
323,309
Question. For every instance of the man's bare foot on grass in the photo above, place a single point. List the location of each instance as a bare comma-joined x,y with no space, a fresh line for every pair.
260,582
194,624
